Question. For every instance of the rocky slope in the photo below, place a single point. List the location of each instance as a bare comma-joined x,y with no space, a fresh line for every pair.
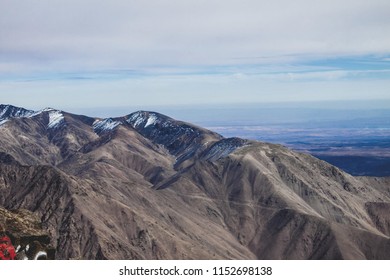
145,186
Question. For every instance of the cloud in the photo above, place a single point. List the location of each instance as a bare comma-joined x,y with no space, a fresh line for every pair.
56,52
86,34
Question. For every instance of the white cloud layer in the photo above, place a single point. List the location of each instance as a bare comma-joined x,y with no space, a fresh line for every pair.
128,34
161,51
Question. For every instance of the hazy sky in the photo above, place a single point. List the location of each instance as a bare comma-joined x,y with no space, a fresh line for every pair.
91,53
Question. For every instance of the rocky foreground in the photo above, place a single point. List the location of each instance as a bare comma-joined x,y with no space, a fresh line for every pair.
22,237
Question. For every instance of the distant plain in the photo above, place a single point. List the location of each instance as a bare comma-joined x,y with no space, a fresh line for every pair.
354,137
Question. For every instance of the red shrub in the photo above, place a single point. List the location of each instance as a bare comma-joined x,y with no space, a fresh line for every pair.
7,251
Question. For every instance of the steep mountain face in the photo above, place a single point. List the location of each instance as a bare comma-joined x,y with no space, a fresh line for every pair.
145,186
184,141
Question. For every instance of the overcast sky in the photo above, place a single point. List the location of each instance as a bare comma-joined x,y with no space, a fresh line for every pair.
90,53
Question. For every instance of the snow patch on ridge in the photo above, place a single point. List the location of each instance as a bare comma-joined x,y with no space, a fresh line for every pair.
223,148
56,118
105,125
157,125
145,119
33,114
136,119
151,120
8,111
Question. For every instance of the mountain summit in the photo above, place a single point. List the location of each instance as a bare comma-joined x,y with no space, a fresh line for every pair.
146,186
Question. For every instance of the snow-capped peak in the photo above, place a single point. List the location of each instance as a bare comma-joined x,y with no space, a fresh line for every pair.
36,113
105,125
8,112
145,119
136,119
47,109
56,117
157,123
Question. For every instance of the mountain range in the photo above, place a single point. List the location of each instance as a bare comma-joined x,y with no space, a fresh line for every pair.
146,186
